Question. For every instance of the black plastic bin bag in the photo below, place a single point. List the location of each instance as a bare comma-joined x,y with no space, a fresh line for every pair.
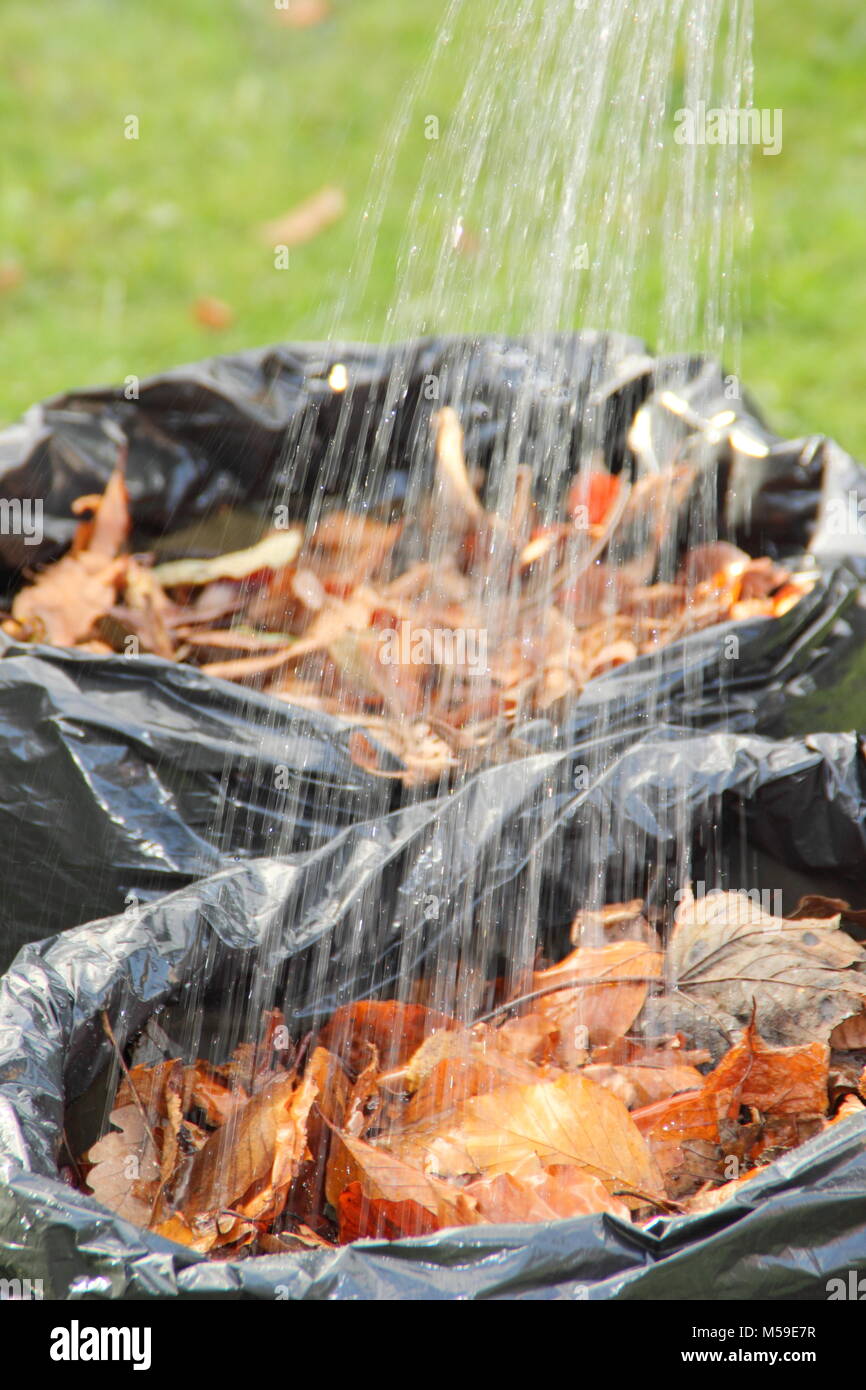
794,811
121,780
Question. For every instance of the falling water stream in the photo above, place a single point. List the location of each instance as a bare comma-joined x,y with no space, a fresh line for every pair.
553,198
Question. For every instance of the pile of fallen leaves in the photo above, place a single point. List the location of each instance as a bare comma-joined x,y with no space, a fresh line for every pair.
304,613
396,1120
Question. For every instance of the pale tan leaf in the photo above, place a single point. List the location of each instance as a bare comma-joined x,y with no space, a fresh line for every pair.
306,220
126,1172
273,552
570,1120
640,1085
564,1191
803,978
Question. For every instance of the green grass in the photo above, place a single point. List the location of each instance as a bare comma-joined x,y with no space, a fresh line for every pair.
241,118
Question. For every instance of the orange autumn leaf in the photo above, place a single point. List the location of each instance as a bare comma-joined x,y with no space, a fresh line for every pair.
360,1217
591,496
217,1101
776,1081
713,1197
609,988
256,1157
638,1086
303,14
212,313
395,1030
384,1178
108,531
562,1191
454,1080
66,600
852,1105
570,1121
495,1048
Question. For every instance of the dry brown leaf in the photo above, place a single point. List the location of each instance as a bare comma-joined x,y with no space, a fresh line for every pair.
212,313
850,1034
66,600
817,905
107,533
331,623
307,220
145,614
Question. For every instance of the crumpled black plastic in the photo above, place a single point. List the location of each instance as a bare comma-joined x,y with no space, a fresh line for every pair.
121,780
783,1236
124,779
233,429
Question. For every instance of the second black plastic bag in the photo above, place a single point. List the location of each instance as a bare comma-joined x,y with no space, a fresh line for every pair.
367,911
123,779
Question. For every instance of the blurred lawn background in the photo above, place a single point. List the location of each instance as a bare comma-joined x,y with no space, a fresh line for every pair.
107,243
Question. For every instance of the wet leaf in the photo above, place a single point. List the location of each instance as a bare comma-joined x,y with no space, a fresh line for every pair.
728,956
571,1121
776,1082
395,1030
457,495
383,1178
609,989
562,1191
274,552
713,1197
126,1170
374,1218
248,1165
641,1085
